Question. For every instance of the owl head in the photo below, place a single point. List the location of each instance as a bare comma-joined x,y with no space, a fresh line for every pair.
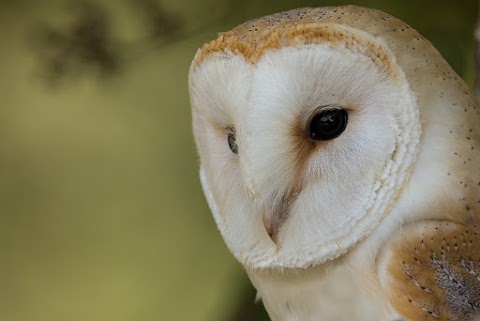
315,125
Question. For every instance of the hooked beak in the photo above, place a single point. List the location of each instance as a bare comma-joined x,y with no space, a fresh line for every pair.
272,221
275,217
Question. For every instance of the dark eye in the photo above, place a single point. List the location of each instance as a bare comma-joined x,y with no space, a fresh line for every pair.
328,123
231,140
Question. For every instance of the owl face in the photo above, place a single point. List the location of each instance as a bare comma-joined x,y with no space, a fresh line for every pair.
306,132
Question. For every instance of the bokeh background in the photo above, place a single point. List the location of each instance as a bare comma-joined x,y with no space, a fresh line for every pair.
101,211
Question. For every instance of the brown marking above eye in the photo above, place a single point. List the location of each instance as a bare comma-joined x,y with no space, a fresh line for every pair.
312,26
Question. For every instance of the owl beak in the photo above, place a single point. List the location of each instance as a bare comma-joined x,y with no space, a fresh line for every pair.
275,217
272,225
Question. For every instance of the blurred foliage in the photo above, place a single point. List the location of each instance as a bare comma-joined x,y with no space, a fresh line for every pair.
102,214
86,41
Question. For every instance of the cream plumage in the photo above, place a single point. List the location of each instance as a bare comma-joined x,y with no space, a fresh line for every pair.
327,136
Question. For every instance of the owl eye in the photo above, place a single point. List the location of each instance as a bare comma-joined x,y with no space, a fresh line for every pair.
232,140
328,123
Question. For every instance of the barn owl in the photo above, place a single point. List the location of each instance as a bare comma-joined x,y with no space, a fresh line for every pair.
339,155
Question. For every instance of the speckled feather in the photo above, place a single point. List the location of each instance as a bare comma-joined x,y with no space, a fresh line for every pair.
433,272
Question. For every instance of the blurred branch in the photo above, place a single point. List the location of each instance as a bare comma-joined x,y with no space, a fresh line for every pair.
143,46
159,21
163,28
87,43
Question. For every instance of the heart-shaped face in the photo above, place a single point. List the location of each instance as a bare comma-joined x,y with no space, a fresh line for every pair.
307,128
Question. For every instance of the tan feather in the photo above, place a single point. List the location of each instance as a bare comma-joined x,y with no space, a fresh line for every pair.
433,272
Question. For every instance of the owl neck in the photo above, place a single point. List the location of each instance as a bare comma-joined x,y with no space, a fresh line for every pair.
318,292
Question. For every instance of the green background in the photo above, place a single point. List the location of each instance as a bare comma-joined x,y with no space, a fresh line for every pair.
102,216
